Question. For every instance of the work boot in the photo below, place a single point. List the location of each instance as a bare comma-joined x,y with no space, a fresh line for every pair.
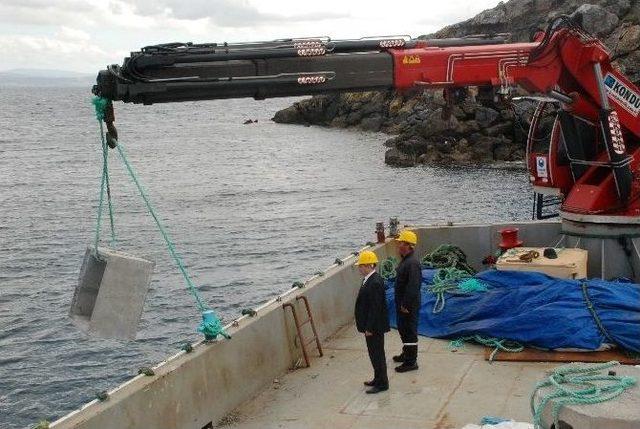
370,383
399,358
406,366
377,389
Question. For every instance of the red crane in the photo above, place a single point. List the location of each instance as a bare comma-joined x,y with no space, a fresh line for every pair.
590,159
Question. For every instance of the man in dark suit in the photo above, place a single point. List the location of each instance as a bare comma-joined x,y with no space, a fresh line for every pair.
407,296
372,319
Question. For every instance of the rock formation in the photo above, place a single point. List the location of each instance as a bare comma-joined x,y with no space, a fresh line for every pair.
474,133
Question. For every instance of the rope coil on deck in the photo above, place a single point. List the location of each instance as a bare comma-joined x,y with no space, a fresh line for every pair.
498,344
388,268
577,385
447,256
446,281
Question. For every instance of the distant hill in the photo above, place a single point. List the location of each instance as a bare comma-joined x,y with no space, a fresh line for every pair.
45,77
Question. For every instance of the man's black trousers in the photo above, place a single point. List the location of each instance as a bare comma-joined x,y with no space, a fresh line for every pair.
408,330
375,346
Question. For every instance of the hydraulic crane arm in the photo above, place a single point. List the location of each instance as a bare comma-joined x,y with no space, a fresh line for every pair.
282,68
593,150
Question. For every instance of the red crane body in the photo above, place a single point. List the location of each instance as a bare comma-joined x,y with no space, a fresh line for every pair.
566,66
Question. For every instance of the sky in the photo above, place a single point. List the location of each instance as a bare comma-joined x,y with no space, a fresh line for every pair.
86,35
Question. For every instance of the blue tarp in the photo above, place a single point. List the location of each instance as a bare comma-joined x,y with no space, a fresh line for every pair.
534,309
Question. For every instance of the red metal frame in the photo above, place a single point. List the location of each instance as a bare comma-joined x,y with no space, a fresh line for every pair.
566,65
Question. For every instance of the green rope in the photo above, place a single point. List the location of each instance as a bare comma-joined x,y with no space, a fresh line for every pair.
446,281
577,385
210,326
100,105
388,268
447,256
170,245
472,285
498,344
594,314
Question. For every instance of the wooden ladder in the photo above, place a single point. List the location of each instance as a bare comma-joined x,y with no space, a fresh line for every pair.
303,342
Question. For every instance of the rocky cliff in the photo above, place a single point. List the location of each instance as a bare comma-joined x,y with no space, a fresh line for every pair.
475,132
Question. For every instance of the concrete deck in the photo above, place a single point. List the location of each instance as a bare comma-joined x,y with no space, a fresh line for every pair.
216,381
449,390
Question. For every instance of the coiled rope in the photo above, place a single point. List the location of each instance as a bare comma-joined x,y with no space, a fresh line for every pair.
578,385
447,256
446,281
388,268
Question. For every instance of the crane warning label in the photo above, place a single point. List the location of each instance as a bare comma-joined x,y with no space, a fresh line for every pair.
625,96
411,59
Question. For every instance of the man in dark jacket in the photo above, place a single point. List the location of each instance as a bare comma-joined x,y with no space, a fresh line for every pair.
407,297
372,319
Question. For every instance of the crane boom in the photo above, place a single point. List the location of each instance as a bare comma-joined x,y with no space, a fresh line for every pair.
282,68
592,154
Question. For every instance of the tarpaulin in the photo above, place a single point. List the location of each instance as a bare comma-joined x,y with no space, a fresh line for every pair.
535,309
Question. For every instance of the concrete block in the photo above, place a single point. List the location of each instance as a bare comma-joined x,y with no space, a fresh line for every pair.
109,298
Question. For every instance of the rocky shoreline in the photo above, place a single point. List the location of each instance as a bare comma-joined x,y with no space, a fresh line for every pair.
475,132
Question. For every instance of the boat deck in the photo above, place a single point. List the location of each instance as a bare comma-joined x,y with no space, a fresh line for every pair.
449,390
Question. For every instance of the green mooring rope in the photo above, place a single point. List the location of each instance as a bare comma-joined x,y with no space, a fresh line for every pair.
594,313
100,105
498,344
447,256
447,280
578,385
210,326
388,268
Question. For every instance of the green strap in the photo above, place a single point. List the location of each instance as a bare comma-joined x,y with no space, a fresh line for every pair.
594,314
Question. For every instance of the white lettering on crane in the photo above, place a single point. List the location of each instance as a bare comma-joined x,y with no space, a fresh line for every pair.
625,96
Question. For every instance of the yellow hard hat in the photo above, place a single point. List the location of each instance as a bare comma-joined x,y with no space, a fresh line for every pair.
408,237
367,258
